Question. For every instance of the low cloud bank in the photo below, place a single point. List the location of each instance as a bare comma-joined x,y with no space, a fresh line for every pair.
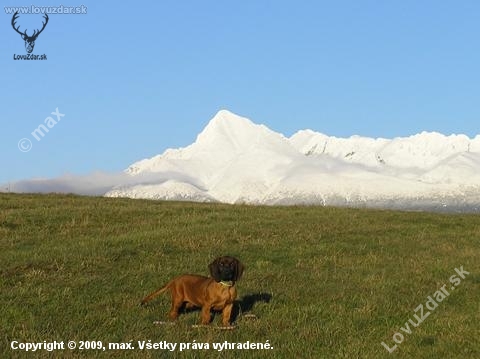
94,184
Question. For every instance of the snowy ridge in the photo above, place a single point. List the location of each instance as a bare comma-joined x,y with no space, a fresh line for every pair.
234,160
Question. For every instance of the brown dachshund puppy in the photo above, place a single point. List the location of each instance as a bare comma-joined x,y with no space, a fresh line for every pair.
217,293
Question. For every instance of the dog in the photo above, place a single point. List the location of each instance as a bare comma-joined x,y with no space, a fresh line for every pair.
217,292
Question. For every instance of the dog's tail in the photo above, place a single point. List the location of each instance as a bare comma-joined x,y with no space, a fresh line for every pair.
154,294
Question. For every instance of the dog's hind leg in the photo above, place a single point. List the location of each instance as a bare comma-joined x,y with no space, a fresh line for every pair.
175,309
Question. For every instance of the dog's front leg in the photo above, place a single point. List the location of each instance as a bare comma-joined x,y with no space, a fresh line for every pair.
205,315
226,314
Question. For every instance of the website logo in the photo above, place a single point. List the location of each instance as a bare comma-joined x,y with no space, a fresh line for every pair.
29,40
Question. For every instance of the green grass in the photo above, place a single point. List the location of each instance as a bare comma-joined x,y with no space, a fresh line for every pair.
339,281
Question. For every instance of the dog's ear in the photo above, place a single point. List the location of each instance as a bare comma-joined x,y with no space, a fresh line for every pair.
239,267
214,268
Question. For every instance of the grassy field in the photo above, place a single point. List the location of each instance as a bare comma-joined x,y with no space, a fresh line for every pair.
323,282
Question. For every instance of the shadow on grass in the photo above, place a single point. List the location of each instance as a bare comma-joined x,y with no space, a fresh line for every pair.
241,307
247,302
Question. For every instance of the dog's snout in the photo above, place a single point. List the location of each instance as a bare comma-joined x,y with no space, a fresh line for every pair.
226,273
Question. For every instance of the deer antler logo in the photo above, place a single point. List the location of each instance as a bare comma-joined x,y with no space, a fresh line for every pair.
29,40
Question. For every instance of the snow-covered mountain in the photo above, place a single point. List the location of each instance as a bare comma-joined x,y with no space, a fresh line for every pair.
234,160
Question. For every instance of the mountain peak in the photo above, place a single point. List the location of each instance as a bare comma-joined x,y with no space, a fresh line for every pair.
225,118
225,114
227,130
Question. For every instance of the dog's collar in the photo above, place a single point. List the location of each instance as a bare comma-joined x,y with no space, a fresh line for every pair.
228,283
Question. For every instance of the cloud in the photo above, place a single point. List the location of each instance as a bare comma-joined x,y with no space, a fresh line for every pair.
94,184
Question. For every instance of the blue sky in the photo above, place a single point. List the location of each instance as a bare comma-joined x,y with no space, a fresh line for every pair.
134,79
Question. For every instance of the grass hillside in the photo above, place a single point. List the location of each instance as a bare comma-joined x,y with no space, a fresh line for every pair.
323,282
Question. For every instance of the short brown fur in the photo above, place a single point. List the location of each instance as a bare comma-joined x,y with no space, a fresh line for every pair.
209,293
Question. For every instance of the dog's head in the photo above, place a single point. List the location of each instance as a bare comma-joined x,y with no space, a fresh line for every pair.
226,269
